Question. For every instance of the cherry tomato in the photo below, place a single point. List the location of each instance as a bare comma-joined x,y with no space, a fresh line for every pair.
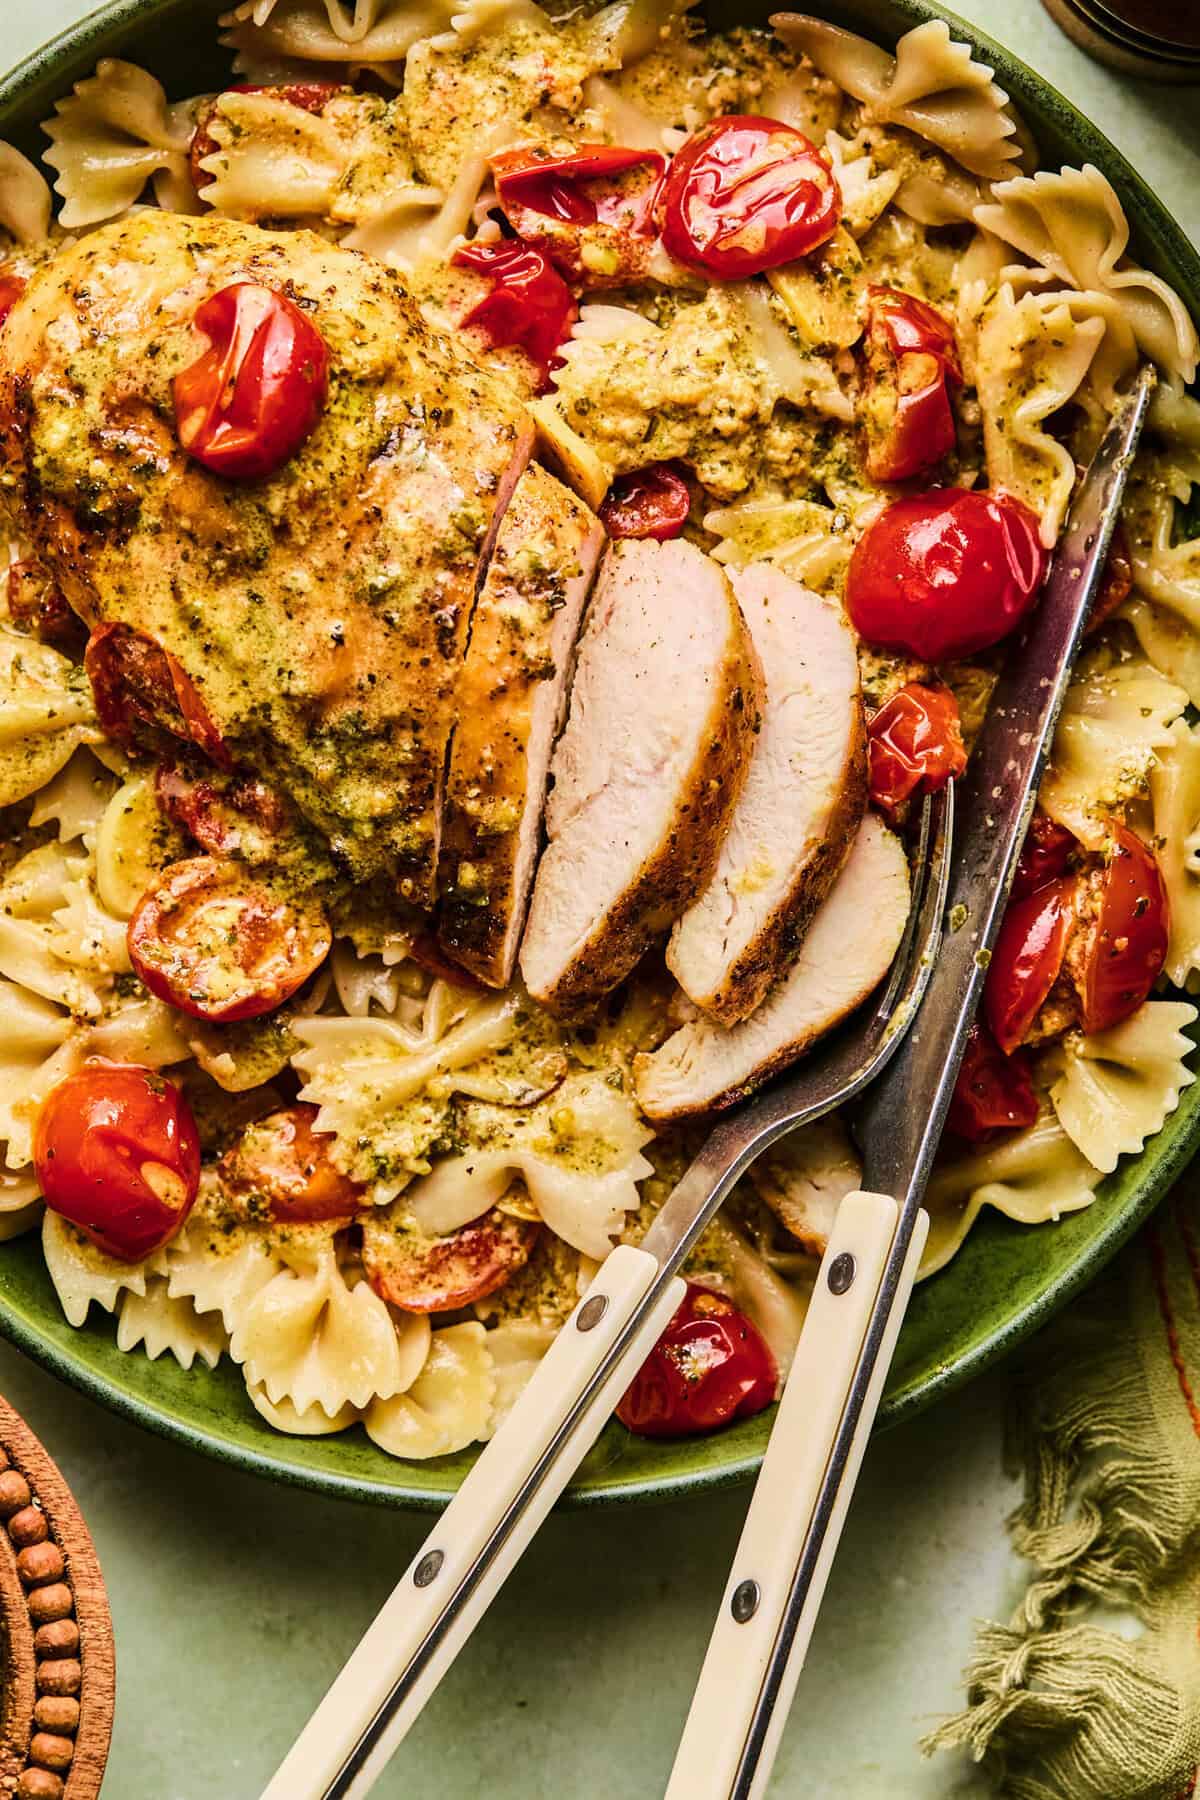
913,372
11,289
428,954
117,1153
569,188
232,815
747,194
1044,854
309,96
37,603
217,945
993,1092
1126,944
944,574
653,502
250,400
530,304
282,1164
1117,581
136,682
438,1274
710,1366
1027,958
914,745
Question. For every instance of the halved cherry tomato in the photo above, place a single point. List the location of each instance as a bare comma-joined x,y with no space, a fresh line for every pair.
1126,944
993,1092
1117,581
231,815
117,1153
710,1366
438,1274
913,372
568,188
250,400
914,745
218,945
1027,958
746,194
428,954
11,289
1044,854
37,603
309,96
530,304
944,574
653,502
282,1164
136,682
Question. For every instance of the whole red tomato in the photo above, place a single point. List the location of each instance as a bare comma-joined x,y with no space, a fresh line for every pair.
283,1165
914,745
117,1153
530,304
1044,854
135,682
913,372
218,945
710,1366
11,289
944,574
252,398
1127,940
425,1275
1027,958
653,502
993,1092
746,194
309,96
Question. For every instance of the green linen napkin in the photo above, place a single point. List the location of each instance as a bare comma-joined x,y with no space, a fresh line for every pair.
1092,1691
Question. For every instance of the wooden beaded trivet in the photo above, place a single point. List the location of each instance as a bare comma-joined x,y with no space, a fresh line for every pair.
57,1669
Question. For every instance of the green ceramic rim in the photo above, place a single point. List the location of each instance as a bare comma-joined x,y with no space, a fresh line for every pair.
1006,1281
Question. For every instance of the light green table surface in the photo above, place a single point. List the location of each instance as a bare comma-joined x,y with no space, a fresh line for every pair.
235,1602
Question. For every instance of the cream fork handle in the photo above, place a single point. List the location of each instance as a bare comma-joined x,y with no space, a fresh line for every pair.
785,1495
428,1598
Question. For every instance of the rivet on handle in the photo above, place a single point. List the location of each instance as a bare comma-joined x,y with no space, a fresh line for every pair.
842,1271
591,1312
428,1568
743,1603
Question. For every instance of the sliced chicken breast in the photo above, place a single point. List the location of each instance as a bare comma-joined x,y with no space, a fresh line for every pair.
664,710
799,810
805,1179
511,695
848,950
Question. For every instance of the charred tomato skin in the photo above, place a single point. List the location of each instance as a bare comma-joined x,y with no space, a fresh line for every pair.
136,683
710,1366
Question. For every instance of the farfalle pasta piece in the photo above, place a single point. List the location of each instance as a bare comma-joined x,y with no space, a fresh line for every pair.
805,380
36,1051
84,1276
447,1407
272,159
30,939
1175,805
516,1348
810,542
46,713
110,137
160,1325
20,1203
314,1421
1030,1176
1114,1089
408,222
367,32
25,199
74,801
932,87
1115,722
1073,226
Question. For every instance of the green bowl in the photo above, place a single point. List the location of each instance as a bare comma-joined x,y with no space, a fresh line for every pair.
1006,1280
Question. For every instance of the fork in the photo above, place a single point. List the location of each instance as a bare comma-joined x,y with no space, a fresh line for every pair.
522,1471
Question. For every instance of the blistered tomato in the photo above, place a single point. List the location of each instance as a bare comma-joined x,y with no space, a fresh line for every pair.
282,1164
1027,958
309,96
530,305
438,1274
251,399
993,1092
1044,854
218,945
11,289
746,194
229,815
1126,945
136,682
1117,581
574,189
38,604
914,745
913,373
710,1366
653,502
944,574
117,1153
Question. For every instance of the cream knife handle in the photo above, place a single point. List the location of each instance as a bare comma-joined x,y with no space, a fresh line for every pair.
430,1614
709,1759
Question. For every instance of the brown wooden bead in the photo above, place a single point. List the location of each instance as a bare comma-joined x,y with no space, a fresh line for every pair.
52,1751
40,1563
14,1493
39,1784
53,1602
57,1712
28,1527
62,1676
59,1638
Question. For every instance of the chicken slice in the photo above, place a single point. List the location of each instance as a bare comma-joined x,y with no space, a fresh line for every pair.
800,807
805,1179
703,1067
511,698
322,613
664,710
